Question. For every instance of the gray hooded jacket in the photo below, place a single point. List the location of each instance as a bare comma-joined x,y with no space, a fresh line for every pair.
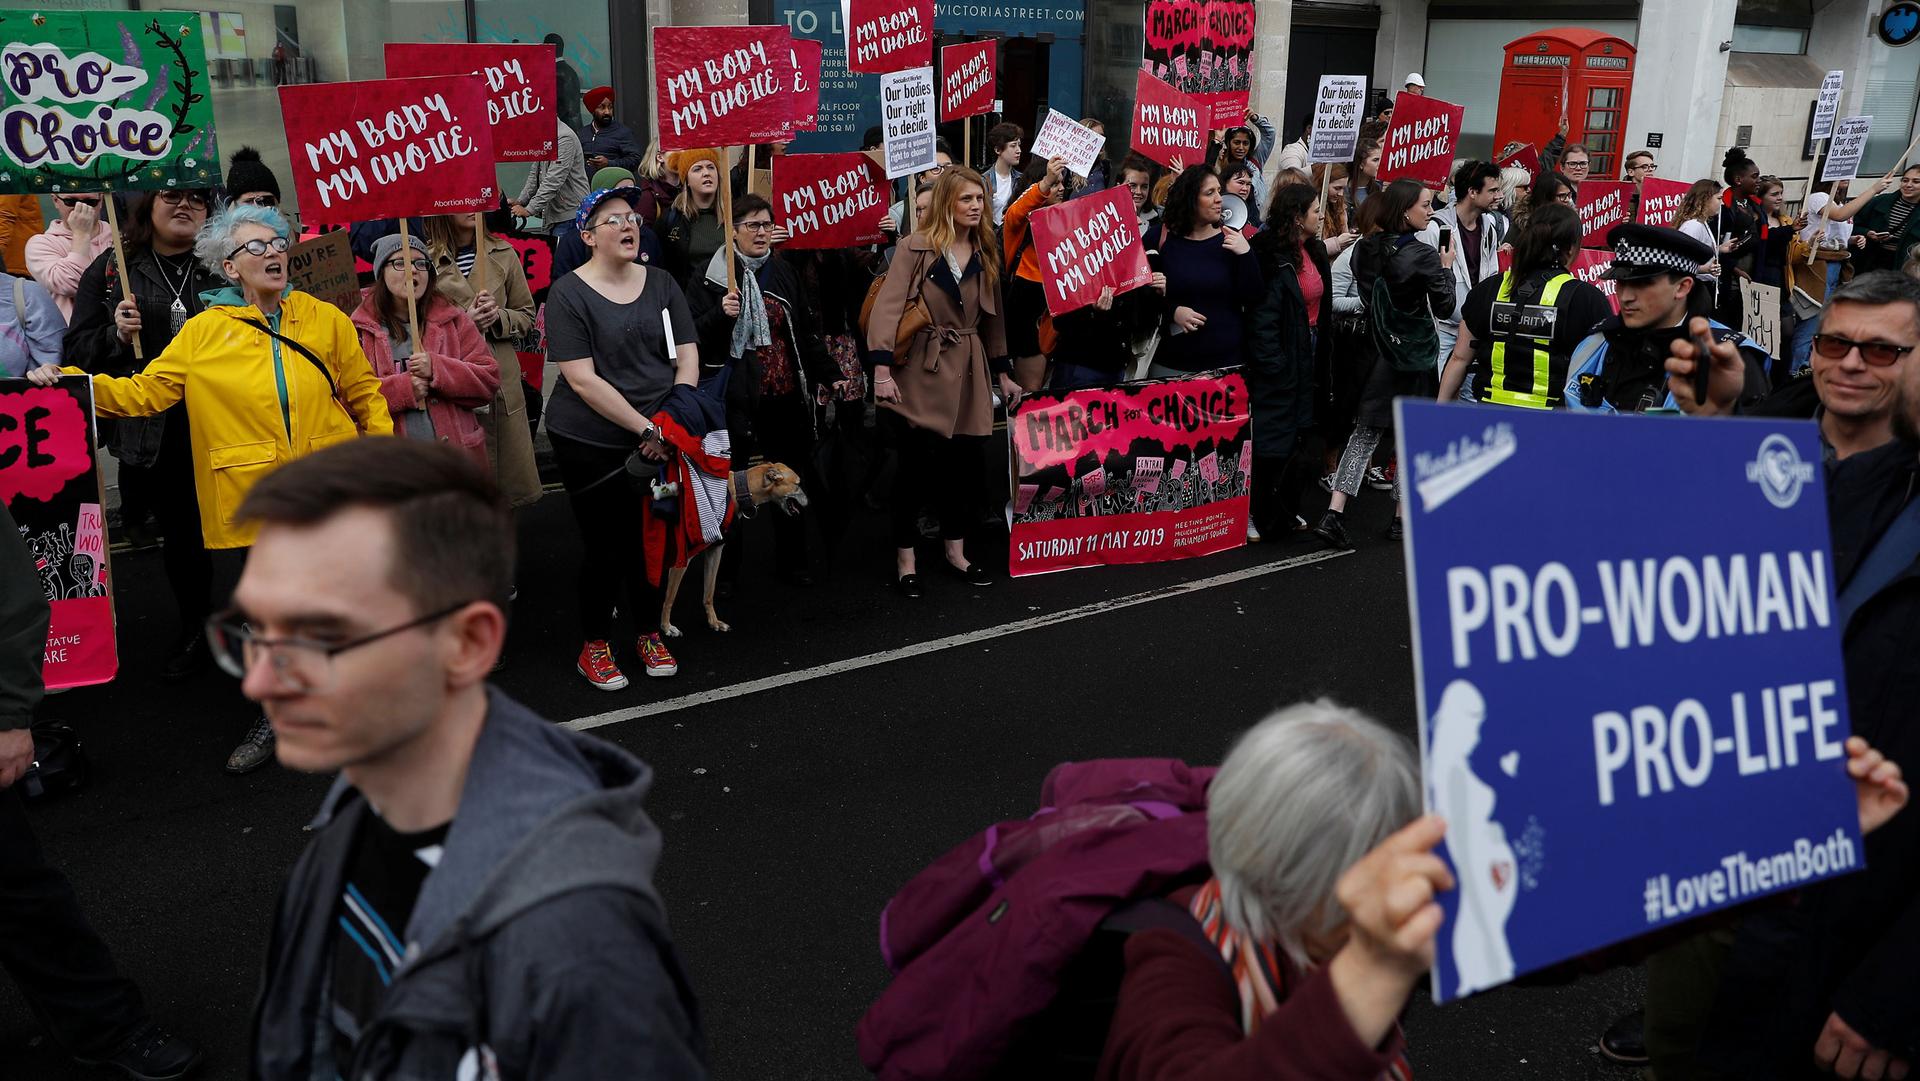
537,949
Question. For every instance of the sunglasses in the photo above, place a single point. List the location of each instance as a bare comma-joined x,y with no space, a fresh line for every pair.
1878,354
267,201
260,247
75,200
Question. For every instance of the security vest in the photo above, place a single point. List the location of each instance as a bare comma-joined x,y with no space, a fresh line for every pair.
1521,368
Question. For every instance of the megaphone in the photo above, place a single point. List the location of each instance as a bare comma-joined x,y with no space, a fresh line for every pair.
1233,211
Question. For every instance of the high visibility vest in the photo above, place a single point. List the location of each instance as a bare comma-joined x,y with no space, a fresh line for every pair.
1542,389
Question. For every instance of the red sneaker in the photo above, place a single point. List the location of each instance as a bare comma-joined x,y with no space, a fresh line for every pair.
596,663
653,653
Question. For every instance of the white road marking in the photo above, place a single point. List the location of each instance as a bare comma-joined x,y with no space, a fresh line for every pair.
954,641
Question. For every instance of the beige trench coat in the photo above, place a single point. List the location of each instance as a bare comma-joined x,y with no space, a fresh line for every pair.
509,440
945,386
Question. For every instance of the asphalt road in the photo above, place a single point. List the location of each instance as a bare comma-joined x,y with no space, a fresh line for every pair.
793,812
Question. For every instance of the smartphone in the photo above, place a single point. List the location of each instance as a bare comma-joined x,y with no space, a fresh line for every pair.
1702,365
1446,239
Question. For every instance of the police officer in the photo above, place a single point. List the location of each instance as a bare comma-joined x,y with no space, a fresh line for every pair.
1621,367
1519,328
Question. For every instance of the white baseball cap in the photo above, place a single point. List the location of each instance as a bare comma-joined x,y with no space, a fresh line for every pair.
1415,80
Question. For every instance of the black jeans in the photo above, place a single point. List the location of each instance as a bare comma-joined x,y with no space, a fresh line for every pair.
166,488
781,430
611,514
947,474
1279,485
60,965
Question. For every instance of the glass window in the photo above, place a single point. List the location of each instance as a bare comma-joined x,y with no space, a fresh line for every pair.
1604,120
1603,97
1785,40
1892,76
585,61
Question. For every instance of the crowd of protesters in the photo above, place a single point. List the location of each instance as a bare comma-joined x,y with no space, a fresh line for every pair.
236,406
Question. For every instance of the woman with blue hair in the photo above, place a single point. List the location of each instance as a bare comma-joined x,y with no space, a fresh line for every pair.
268,375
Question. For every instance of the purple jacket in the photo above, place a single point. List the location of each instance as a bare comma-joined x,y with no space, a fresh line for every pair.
978,939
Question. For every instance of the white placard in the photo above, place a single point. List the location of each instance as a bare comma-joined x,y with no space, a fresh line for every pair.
1337,110
1849,144
907,116
1061,137
1829,104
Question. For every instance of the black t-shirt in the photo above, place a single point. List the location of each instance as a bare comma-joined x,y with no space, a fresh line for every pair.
383,881
1579,309
628,346
1470,246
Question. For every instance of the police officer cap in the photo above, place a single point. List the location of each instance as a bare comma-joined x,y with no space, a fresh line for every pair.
1648,251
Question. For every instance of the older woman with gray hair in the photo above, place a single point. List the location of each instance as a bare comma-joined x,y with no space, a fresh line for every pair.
1321,905
268,375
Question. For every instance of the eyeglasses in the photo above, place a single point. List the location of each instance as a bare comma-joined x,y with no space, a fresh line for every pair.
755,226
268,201
401,264
260,247
300,665
621,221
1642,167
190,198
1878,354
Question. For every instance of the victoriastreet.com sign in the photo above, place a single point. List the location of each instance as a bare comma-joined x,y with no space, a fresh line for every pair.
1632,705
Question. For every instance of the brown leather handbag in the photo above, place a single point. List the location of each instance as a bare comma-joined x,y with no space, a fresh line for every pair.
914,318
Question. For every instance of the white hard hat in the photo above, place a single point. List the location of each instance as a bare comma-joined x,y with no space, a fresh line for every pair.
1415,80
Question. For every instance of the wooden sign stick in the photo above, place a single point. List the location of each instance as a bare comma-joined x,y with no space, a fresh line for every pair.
120,262
479,253
413,311
726,210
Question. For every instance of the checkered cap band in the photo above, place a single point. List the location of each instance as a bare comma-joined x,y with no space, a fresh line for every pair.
1641,255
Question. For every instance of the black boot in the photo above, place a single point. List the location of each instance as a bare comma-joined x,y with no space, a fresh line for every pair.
1332,531
189,660
1626,1041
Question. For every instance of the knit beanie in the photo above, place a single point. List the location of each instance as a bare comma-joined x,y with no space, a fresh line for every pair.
248,173
680,161
386,246
610,177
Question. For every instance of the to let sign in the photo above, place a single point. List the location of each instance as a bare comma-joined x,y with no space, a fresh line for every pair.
1421,141
520,90
723,85
390,148
1086,246
967,79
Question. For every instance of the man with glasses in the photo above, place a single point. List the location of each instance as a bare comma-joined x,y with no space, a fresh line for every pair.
768,331
1830,977
1640,166
1619,368
477,898
58,257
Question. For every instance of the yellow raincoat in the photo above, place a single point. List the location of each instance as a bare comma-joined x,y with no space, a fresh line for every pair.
250,411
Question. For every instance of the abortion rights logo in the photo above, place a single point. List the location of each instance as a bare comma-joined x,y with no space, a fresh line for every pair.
1779,472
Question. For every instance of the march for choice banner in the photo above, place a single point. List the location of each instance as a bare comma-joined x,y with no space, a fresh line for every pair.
1421,140
390,148
1204,48
723,85
889,35
1602,204
967,74
105,101
1167,124
1087,245
51,483
1585,684
1660,200
1136,473
829,200
520,90
807,58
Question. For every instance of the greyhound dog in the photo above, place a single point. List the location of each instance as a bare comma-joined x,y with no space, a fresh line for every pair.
752,488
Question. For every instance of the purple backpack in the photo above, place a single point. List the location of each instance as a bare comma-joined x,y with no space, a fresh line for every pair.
978,940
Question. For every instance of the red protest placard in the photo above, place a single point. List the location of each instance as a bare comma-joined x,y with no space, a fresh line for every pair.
967,79
829,200
1421,141
1167,124
390,148
806,84
1085,245
723,85
1589,265
1660,200
520,90
889,35
1602,204
1526,156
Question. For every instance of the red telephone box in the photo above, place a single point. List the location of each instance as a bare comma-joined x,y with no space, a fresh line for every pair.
1593,71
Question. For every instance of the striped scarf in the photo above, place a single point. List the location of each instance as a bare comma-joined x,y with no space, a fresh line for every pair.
1259,971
